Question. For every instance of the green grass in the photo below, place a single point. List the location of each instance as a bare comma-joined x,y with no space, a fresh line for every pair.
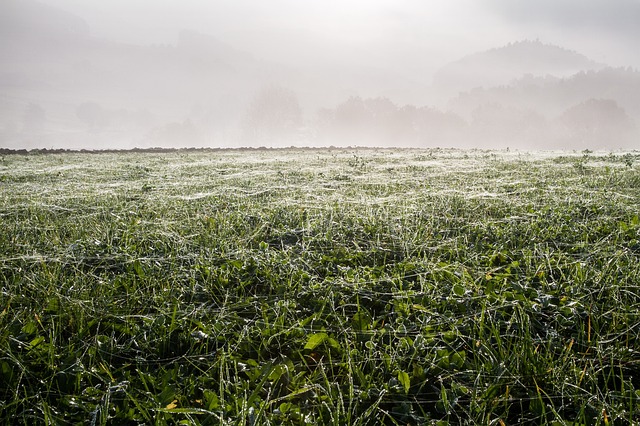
320,287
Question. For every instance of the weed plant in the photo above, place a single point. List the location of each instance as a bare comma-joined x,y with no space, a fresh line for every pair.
358,287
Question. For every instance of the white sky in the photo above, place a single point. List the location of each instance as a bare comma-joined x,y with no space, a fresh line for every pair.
418,35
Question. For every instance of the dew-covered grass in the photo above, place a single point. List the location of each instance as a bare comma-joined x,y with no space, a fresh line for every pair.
320,287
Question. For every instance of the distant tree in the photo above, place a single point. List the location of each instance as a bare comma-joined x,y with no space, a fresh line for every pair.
369,121
598,123
437,128
380,108
351,118
497,124
274,115
379,121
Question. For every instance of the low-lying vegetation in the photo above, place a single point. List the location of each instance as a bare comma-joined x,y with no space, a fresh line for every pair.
320,287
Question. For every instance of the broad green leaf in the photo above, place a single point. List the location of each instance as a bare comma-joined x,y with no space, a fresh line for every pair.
405,380
212,400
362,320
333,343
35,342
315,340
137,266
285,407
457,359
30,328
458,290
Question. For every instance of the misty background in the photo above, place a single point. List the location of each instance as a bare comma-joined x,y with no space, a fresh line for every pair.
85,74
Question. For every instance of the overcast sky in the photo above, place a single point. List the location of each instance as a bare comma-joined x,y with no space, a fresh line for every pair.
417,35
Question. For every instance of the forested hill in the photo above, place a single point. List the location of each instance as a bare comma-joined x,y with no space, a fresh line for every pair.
502,65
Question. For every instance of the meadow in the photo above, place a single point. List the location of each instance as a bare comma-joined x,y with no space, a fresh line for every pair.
333,287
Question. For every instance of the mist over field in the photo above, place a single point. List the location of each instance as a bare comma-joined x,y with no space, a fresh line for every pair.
339,279
123,74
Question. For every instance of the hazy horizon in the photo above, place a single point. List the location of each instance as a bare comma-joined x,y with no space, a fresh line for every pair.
78,73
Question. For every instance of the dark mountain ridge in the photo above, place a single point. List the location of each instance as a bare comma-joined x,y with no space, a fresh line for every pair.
552,95
502,65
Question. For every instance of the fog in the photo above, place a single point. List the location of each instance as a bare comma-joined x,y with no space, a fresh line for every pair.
88,74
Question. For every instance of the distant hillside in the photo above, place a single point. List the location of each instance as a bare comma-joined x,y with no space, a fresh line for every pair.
550,95
48,49
62,87
160,93
29,17
51,63
500,66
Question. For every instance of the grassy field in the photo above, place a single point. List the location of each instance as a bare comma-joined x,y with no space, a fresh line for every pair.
320,287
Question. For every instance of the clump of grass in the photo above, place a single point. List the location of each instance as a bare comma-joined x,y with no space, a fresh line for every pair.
319,287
